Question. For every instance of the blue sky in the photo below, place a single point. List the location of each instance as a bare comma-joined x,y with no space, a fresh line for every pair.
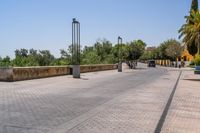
46,24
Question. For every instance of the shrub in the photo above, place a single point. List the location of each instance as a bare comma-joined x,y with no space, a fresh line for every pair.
197,60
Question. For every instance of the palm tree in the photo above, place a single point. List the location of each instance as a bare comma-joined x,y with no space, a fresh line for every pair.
191,31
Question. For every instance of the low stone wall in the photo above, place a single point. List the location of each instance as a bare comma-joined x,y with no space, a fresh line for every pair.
27,73
6,74
94,68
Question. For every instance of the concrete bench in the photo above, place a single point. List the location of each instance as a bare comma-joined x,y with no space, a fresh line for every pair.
197,70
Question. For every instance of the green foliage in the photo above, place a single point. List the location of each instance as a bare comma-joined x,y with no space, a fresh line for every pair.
192,49
45,58
5,62
197,60
102,52
61,62
24,57
162,50
190,30
90,57
148,55
103,48
170,49
135,49
174,49
194,5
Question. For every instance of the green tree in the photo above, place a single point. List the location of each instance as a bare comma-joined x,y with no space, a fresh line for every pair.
119,52
33,52
64,53
22,52
192,46
103,49
191,31
135,49
90,57
32,58
148,55
174,49
45,58
162,50
5,62
65,58
22,58
194,6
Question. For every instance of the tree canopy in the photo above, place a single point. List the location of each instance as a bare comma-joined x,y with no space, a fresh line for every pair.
191,32
194,6
102,52
186,29
170,49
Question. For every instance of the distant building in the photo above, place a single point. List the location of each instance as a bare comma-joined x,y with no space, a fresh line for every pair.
185,57
149,49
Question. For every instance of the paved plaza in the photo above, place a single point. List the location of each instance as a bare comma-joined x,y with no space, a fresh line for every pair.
184,112
102,102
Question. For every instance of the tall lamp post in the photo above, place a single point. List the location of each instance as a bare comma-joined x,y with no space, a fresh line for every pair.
76,48
119,51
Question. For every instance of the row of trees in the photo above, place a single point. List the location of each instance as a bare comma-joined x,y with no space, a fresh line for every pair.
102,52
170,49
24,57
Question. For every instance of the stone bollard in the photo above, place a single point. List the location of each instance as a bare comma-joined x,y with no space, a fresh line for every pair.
76,71
119,67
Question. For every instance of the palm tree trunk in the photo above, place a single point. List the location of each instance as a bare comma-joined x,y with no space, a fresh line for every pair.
198,48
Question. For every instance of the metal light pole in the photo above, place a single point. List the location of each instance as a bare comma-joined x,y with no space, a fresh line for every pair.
76,48
119,51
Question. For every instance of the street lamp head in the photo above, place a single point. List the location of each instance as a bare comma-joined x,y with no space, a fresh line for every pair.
75,21
119,39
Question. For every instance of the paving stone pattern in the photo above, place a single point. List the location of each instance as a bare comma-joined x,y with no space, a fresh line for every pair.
184,113
100,102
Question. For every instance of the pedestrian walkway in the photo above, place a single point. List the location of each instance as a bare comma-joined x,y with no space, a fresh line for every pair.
102,102
184,112
136,111
109,102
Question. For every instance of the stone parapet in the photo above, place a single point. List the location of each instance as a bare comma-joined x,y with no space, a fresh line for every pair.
94,68
6,74
27,73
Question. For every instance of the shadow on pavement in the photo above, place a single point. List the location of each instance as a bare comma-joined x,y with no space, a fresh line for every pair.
192,79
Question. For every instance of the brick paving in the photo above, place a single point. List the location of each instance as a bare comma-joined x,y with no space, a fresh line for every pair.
184,113
100,102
